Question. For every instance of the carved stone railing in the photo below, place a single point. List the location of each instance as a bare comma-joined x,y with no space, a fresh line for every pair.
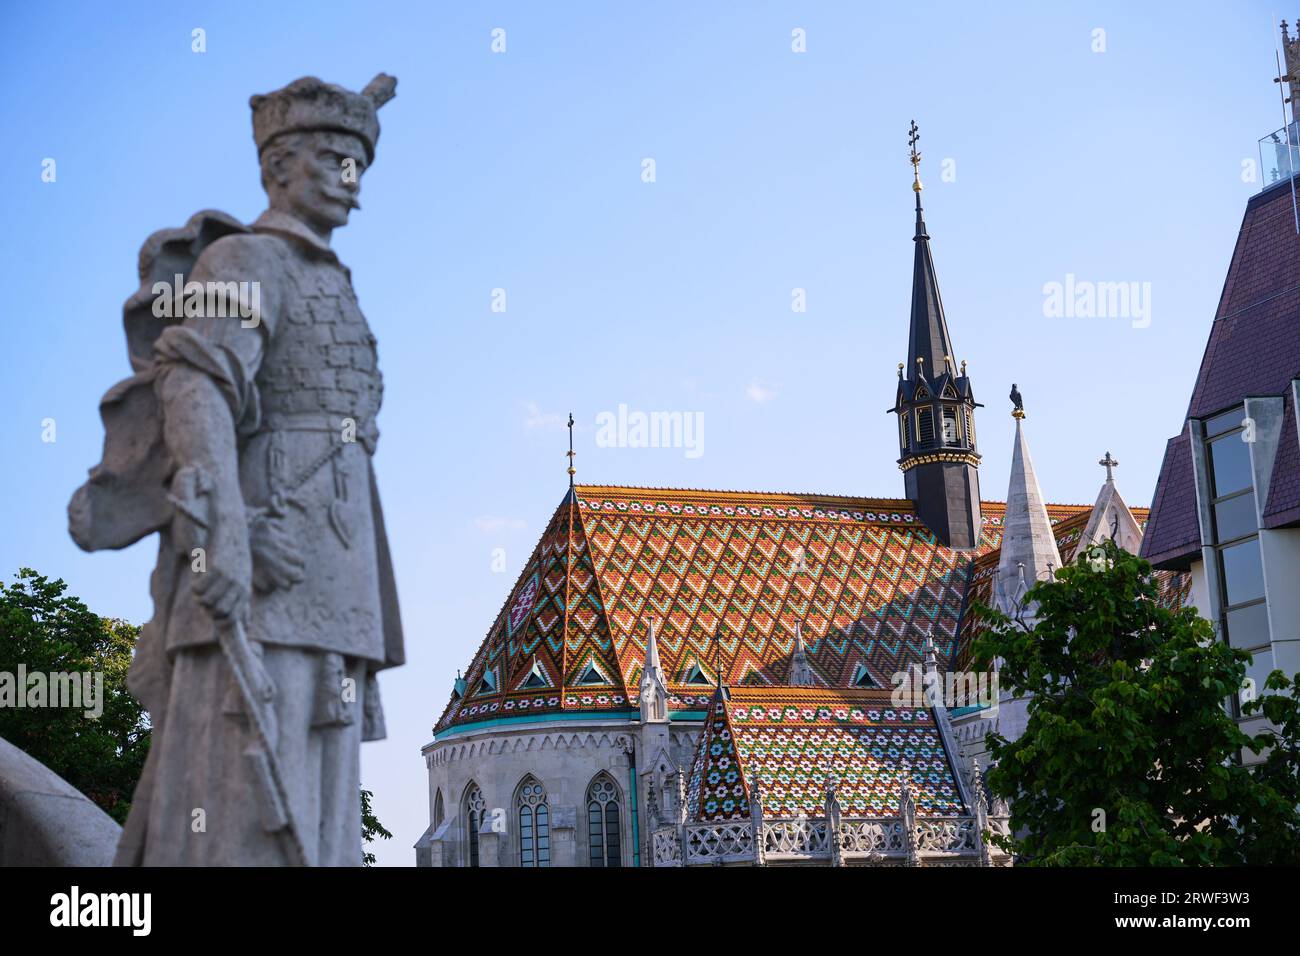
717,843
795,837
666,847
863,840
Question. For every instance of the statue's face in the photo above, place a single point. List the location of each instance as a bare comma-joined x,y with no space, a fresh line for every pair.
319,180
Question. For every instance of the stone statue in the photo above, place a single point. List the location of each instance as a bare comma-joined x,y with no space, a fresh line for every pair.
244,439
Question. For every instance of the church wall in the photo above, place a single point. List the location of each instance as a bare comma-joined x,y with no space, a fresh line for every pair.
564,757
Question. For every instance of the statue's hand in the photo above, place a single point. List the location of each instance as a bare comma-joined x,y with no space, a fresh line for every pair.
224,586
277,560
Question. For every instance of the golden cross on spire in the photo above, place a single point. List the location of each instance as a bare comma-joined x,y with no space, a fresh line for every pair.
571,453
912,136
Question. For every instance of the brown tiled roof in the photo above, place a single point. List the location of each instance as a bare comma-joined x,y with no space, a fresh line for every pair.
1173,535
1253,349
1284,489
1254,346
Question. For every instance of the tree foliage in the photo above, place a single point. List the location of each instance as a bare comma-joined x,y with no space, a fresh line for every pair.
1130,756
46,630
371,828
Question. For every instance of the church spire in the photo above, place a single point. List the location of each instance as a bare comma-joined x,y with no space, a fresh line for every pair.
800,670
1111,518
929,347
1029,553
935,404
654,687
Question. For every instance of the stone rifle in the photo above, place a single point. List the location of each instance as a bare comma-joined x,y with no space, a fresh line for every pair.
189,495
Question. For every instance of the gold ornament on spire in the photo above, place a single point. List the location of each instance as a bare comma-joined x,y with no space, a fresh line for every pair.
912,137
571,452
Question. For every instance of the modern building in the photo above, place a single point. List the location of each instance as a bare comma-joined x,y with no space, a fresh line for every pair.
1227,505
684,677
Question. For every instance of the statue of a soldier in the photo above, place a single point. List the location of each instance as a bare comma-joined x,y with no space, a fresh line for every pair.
244,438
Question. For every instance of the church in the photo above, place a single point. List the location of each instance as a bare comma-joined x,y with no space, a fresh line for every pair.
686,677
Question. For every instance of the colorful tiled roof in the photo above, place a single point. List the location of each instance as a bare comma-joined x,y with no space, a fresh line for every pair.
727,575
789,739
1173,587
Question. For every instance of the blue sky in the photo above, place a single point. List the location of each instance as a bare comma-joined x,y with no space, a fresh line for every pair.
522,171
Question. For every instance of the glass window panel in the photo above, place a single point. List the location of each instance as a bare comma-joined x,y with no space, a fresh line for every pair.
1235,517
1248,626
612,835
1230,465
1243,572
1225,422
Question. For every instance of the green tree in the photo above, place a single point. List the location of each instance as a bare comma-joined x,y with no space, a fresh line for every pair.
1129,757
371,828
46,630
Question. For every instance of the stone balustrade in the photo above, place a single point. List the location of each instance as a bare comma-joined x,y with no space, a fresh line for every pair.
937,841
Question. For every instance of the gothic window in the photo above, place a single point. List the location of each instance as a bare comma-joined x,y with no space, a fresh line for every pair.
604,835
951,436
970,427
475,807
904,422
924,427
439,814
534,823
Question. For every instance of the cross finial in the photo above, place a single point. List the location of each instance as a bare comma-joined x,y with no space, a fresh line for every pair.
571,452
912,136
1108,462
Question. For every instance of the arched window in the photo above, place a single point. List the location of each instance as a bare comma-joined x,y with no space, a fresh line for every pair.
925,427
439,814
603,822
950,427
474,807
534,823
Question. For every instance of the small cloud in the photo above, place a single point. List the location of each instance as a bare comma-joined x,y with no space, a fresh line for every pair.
760,393
536,418
490,524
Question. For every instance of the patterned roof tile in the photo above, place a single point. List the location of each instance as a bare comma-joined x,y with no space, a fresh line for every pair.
789,739
727,575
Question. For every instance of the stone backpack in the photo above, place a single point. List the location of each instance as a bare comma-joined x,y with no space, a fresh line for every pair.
126,496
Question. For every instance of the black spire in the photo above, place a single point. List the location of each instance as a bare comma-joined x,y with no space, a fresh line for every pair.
928,337
935,405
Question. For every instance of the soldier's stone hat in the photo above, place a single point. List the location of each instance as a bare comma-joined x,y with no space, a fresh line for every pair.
310,104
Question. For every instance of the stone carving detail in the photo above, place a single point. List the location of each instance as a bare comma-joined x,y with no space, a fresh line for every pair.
719,842
666,847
